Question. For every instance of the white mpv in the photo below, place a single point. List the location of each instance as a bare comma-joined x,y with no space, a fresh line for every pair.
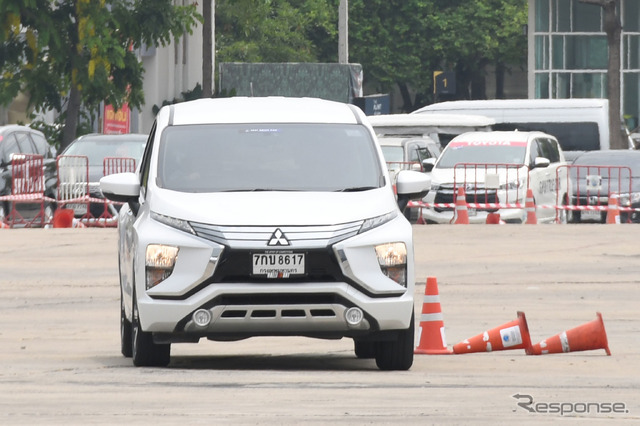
261,217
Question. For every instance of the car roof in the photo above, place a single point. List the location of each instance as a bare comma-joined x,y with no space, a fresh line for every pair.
14,127
499,136
403,140
513,103
401,121
607,155
260,110
111,137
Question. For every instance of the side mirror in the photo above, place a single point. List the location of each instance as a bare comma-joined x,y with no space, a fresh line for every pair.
122,187
411,185
428,163
541,162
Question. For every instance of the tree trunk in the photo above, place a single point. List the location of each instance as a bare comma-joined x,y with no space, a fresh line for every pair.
613,29
500,72
72,114
207,49
407,105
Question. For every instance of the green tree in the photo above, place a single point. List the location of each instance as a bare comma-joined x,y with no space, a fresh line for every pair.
402,42
274,30
70,55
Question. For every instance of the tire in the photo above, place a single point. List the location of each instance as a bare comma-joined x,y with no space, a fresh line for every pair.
364,349
397,354
126,334
49,210
144,351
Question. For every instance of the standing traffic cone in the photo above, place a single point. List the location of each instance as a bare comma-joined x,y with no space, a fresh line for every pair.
493,219
513,335
63,218
461,213
431,339
582,338
613,211
530,208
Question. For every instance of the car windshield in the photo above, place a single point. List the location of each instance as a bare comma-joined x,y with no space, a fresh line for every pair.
618,166
268,157
482,153
392,153
97,149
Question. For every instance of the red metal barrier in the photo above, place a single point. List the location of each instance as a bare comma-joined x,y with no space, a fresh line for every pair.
492,186
592,185
27,187
113,165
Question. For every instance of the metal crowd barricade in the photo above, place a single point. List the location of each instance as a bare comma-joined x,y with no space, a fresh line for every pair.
490,186
592,186
27,187
113,165
73,184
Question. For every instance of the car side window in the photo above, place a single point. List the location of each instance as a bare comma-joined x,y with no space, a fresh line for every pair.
9,146
534,153
42,146
24,143
554,152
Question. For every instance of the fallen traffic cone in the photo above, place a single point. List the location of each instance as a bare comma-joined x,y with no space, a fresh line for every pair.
582,338
613,211
461,213
530,208
4,225
431,339
513,335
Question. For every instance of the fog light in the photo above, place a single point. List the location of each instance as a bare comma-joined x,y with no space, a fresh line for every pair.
354,316
202,317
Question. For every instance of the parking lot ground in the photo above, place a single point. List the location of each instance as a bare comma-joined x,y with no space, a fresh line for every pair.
60,361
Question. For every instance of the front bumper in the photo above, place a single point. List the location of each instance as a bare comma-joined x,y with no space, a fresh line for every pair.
242,306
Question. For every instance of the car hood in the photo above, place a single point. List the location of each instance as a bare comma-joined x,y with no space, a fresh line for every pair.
273,208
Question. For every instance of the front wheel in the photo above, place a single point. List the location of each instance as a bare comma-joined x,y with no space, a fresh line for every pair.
145,352
397,354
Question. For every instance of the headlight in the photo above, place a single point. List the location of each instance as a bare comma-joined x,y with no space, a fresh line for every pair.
159,263
516,184
374,222
626,200
180,224
392,258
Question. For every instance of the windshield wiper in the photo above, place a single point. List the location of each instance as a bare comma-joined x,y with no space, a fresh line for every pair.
357,189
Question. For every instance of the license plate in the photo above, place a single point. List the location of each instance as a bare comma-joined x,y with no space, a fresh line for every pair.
278,264
78,209
591,215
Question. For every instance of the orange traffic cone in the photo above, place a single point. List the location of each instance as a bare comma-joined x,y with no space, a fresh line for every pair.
582,338
513,335
461,214
613,211
431,339
63,218
530,208
493,219
4,225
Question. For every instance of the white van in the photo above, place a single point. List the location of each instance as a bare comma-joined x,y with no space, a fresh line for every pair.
439,127
265,217
578,124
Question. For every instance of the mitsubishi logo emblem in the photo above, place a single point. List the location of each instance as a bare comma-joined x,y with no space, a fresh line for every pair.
278,239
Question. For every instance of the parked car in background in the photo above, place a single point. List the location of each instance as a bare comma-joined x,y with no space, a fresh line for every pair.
498,168
97,147
16,140
596,175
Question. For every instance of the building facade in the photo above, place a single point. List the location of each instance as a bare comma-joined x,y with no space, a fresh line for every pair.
568,53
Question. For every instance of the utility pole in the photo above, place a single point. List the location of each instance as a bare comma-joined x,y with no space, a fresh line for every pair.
343,32
208,47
